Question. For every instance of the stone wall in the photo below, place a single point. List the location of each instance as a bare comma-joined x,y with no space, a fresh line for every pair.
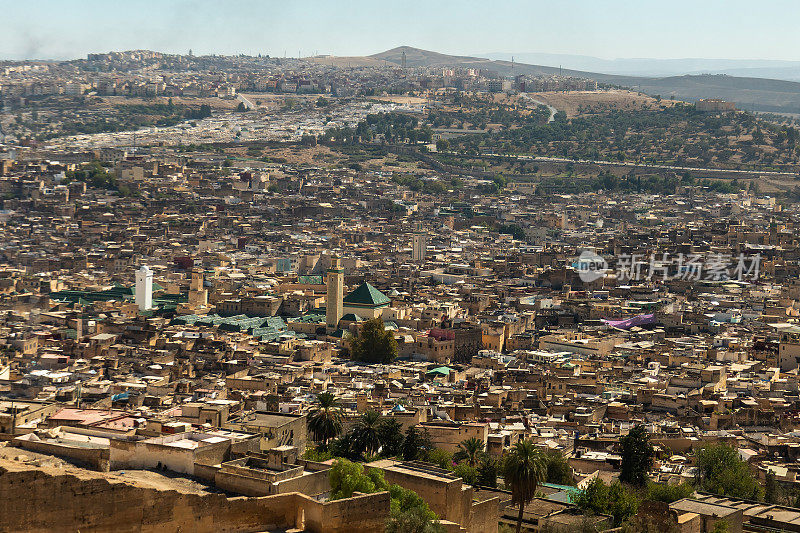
485,516
450,499
241,484
49,499
96,458
44,501
360,514
311,484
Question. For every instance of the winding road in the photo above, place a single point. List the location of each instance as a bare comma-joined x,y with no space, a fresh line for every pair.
552,109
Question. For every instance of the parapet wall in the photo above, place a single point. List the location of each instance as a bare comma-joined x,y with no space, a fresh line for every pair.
360,514
39,501
48,499
96,458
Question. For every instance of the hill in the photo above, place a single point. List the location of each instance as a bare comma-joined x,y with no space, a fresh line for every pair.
660,68
759,94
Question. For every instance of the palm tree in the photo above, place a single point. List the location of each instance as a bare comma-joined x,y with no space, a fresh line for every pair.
523,468
470,449
325,420
366,437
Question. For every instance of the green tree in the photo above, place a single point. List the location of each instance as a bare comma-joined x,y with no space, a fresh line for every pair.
720,526
637,456
390,435
771,488
366,439
613,499
415,520
325,419
410,513
442,458
664,492
721,471
470,450
416,444
343,446
374,344
347,477
488,470
442,145
469,474
557,468
523,468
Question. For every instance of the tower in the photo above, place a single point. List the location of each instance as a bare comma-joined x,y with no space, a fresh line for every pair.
418,246
335,282
403,59
144,288
198,296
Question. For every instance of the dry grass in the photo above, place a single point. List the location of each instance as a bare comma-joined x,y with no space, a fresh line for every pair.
587,102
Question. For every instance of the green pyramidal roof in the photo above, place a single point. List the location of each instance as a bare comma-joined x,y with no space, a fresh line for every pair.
366,294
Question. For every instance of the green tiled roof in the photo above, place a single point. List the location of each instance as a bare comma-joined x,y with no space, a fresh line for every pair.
366,295
264,327
311,317
116,293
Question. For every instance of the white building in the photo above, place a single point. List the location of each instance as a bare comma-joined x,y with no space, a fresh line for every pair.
144,288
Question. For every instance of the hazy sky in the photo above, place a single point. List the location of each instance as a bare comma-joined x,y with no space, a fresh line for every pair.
737,29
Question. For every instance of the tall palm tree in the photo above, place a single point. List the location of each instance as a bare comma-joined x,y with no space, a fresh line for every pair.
523,468
366,437
470,449
325,420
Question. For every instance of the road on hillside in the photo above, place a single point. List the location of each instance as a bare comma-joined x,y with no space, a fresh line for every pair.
552,109
628,164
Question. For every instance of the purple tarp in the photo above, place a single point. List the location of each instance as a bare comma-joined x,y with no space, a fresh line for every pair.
639,320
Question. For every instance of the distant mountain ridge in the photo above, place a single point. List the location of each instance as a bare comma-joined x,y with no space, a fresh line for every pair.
754,93
648,67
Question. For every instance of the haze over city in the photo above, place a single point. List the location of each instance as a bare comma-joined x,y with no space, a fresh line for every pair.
364,267
716,29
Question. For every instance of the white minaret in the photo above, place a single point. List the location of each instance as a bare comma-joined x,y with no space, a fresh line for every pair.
144,288
419,244
333,305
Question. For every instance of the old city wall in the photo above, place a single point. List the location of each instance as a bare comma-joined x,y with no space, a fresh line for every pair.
241,484
138,454
39,501
48,499
360,514
310,484
485,516
445,497
96,458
